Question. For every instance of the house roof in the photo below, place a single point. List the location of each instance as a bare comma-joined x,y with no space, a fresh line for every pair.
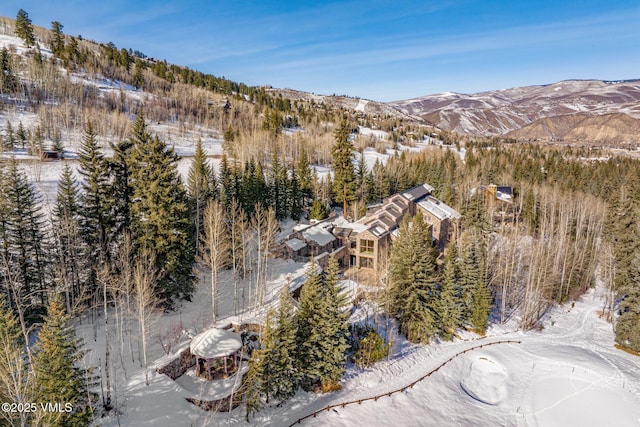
439,209
418,192
318,235
215,342
378,229
504,193
342,231
295,244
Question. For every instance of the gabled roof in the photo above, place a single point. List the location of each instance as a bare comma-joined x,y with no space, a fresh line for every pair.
504,193
418,192
399,201
439,209
378,229
342,231
318,235
295,244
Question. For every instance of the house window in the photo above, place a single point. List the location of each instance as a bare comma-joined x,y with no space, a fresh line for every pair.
366,246
366,262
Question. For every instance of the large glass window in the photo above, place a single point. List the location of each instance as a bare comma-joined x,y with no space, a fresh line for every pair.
366,262
366,246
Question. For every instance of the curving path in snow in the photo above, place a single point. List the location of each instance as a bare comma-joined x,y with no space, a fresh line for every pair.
568,374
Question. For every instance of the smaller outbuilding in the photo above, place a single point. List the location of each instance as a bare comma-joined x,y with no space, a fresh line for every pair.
216,352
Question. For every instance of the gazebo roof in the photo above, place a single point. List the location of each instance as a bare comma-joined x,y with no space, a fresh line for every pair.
214,343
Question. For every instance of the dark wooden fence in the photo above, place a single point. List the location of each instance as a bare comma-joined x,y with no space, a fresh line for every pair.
400,390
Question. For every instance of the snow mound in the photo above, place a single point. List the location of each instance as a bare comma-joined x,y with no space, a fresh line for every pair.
486,381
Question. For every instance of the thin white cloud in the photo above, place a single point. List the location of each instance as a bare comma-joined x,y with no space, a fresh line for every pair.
396,49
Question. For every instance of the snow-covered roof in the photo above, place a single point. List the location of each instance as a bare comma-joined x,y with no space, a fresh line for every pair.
418,192
215,342
504,193
299,227
319,235
295,244
439,209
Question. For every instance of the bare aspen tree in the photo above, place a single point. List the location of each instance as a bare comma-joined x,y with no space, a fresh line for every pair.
20,301
265,226
104,279
145,277
560,259
214,247
125,288
238,224
16,379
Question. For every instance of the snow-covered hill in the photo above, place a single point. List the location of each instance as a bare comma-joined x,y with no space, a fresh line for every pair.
567,373
501,112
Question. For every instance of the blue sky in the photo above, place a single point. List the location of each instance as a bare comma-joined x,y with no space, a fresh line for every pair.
375,49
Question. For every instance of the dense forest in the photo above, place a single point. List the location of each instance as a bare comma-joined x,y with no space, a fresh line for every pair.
128,238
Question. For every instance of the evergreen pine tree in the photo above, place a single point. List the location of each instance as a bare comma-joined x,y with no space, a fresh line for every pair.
295,197
310,335
57,39
96,200
628,323
69,256
449,310
279,373
248,194
21,134
58,377
337,331
8,79
199,180
304,174
322,330
57,143
138,76
362,192
160,213
278,183
9,137
474,288
120,189
24,28
25,233
227,182
261,188
344,176
412,279
624,233
318,210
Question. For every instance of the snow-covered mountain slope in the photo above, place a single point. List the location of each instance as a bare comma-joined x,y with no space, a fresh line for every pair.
567,373
571,104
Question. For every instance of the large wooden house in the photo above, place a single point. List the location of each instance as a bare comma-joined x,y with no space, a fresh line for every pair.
364,243
368,239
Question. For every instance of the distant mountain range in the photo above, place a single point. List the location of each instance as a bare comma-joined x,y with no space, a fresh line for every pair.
595,111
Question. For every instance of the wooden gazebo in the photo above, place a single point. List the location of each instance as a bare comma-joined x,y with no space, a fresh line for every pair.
216,349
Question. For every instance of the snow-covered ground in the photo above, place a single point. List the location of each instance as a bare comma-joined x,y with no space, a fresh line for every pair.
568,373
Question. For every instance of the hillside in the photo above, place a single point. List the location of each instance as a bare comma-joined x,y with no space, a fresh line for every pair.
575,110
358,105
421,296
